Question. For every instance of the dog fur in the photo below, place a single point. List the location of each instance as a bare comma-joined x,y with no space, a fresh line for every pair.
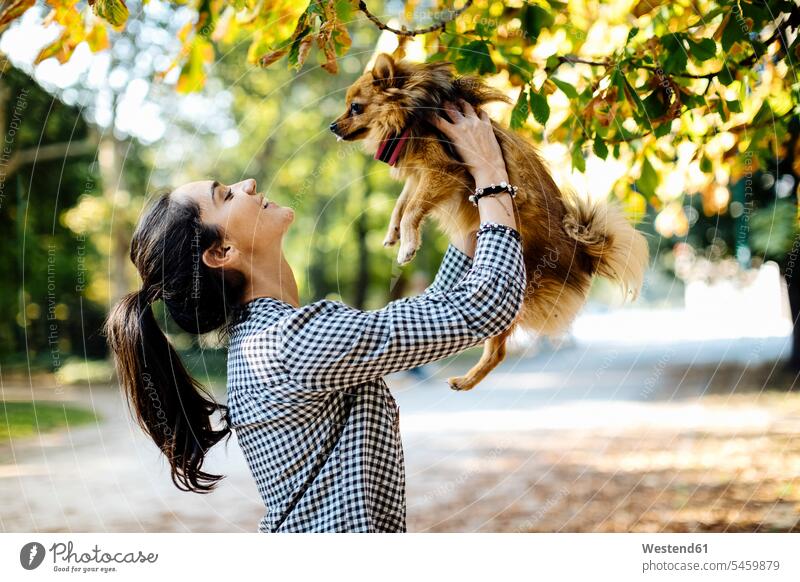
566,239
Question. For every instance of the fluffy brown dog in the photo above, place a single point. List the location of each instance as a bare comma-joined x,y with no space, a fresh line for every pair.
566,240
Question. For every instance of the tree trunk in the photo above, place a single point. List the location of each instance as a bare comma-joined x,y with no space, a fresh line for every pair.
793,283
362,273
792,278
110,156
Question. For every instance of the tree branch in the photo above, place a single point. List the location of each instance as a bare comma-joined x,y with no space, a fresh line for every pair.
53,151
362,6
778,34
573,59
742,127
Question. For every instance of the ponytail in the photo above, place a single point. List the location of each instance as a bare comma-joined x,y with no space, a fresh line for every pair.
172,408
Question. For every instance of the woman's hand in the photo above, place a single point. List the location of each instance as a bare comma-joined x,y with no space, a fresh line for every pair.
474,140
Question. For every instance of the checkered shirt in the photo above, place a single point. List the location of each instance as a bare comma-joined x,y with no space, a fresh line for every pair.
294,372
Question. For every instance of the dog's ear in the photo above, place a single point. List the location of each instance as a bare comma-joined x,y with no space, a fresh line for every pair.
383,71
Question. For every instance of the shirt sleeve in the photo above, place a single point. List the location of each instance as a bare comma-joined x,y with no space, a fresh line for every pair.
454,266
328,345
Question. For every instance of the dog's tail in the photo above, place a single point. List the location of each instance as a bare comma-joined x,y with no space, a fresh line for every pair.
618,251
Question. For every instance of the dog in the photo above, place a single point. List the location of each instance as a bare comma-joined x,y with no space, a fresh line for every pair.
566,240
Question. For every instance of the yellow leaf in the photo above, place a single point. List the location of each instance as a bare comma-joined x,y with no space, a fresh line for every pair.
270,58
14,10
193,75
302,52
97,38
330,63
635,206
646,6
61,48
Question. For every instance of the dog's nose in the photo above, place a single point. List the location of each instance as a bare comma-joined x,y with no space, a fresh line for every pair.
333,127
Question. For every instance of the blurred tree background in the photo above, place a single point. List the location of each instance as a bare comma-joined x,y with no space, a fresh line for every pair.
685,111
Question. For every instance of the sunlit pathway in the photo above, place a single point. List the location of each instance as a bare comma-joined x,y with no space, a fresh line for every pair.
589,437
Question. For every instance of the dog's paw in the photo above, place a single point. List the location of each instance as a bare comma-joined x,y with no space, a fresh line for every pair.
406,253
392,236
460,383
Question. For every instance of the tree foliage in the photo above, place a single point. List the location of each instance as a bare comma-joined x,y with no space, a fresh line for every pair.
678,90
689,97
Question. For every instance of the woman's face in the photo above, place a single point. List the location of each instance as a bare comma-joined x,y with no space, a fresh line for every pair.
251,223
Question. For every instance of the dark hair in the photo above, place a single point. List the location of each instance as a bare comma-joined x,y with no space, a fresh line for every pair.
167,402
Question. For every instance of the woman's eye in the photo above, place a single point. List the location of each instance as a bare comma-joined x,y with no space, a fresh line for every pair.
355,108
229,195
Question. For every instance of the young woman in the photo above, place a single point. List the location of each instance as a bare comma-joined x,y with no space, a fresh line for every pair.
306,398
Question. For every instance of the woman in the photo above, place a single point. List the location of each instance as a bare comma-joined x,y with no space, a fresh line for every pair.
317,424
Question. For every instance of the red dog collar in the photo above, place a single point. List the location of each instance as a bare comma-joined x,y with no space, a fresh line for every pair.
390,148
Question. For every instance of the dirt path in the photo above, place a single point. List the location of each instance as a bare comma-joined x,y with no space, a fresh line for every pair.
600,439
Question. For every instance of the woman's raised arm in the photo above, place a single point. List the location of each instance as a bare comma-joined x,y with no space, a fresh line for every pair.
330,346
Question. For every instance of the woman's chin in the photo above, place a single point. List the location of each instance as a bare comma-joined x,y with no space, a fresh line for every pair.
288,213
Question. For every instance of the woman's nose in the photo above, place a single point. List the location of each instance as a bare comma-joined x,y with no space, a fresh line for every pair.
248,186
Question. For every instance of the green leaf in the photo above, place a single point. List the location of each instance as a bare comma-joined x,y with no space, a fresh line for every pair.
662,129
552,63
578,161
206,19
474,57
534,19
600,148
633,96
115,12
618,81
556,5
539,107
723,114
764,114
691,100
631,33
566,88
648,179
732,33
734,106
676,57
654,106
301,30
520,112
299,48
727,74
703,49
484,29
705,165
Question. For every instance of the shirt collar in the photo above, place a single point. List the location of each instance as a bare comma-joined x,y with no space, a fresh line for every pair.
269,309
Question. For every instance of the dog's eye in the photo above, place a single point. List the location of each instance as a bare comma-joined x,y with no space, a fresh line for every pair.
356,108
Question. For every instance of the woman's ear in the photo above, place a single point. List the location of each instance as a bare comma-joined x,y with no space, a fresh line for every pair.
218,255
383,70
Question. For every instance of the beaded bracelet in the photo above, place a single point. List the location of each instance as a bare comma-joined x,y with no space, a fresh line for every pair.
493,226
491,190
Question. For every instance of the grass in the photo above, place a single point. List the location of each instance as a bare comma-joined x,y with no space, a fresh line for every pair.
26,419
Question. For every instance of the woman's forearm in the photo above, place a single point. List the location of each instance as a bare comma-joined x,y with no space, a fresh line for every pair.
498,208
